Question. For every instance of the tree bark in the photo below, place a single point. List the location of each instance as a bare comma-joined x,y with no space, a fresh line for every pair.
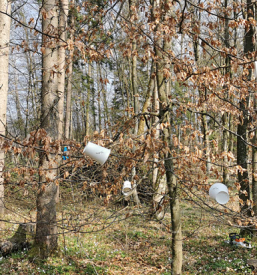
99,90
134,83
141,124
201,97
5,23
159,181
89,87
242,152
254,140
46,228
68,120
63,17
225,117
161,49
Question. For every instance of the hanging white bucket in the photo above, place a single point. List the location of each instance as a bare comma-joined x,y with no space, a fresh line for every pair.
126,188
96,152
219,192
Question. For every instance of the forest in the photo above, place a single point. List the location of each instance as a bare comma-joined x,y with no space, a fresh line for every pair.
116,119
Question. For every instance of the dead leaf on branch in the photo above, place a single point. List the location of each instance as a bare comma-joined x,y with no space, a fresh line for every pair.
240,169
66,174
241,201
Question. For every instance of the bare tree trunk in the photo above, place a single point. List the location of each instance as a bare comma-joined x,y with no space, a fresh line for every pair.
242,154
62,25
105,103
225,117
106,110
46,227
68,120
254,140
254,167
141,125
99,89
135,95
88,97
63,18
5,23
93,108
161,47
159,181
126,88
201,96
20,121
32,88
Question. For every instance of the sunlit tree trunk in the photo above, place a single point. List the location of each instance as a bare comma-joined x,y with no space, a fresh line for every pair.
89,87
46,227
133,15
63,17
162,46
159,181
106,109
126,88
225,116
205,130
68,121
92,97
30,92
99,90
141,125
5,23
20,121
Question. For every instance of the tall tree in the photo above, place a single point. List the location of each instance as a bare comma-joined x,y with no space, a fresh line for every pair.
134,81
68,124
196,23
254,140
225,116
5,23
46,227
162,11
89,88
242,148
62,26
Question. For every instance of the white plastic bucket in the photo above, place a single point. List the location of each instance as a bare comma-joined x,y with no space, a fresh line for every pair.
126,188
255,69
96,152
219,192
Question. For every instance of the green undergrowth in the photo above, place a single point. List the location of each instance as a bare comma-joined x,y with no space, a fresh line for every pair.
137,244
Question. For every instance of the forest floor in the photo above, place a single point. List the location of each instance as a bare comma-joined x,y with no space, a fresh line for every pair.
95,239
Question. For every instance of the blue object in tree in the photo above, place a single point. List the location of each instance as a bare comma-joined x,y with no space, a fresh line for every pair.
65,150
